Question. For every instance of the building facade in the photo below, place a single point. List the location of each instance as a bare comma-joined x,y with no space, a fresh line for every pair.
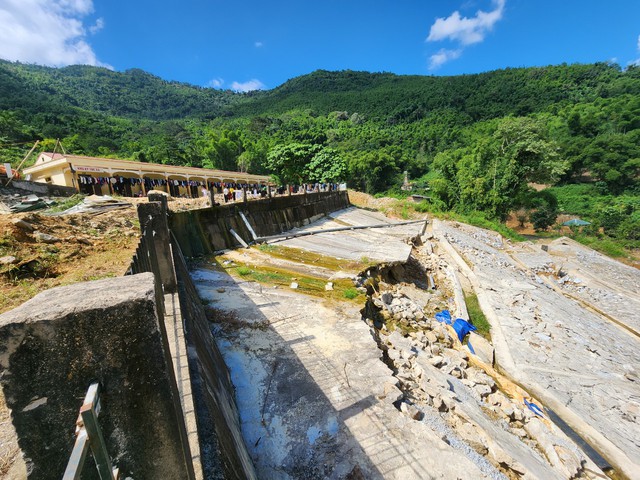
111,176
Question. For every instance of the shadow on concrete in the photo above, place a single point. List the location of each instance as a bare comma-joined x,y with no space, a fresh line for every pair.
293,399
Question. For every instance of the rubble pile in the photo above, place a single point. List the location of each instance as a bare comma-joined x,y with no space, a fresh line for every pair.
39,251
14,202
446,387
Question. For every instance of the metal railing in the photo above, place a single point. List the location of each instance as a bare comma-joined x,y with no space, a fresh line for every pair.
89,435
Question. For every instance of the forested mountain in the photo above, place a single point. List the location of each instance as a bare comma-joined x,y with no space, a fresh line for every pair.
393,98
131,94
477,141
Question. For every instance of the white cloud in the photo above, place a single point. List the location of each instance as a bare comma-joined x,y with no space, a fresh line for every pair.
259,44
636,62
443,56
47,32
96,27
77,6
466,30
253,84
462,30
216,83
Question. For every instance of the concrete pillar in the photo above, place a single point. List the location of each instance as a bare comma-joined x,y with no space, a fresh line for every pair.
65,338
155,230
142,186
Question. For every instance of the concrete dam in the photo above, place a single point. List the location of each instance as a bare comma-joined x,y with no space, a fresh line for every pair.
326,353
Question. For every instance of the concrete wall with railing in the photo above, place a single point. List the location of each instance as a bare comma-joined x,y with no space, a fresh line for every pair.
207,230
168,405
56,344
211,419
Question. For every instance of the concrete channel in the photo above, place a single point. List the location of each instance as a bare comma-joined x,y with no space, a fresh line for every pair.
336,389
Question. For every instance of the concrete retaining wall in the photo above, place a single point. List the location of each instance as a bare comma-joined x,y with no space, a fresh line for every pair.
53,346
43,189
205,231
214,394
217,446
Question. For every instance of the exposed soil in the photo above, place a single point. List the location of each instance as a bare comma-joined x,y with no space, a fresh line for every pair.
85,247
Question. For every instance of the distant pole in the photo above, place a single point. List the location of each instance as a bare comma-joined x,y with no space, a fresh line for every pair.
55,147
24,160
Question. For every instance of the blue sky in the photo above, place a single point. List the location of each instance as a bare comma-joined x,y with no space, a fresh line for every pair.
249,44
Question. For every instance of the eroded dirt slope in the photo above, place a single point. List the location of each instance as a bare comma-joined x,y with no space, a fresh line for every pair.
38,252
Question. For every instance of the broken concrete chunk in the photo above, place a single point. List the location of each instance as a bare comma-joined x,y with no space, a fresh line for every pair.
436,361
482,389
7,260
482,348
387,298
45,237
23,225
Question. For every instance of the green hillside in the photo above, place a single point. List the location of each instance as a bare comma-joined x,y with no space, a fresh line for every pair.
476,141
394,98
131,94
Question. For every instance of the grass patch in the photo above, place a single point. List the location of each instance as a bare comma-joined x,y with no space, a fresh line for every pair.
476,315
309,258
307,284
244,271
350,293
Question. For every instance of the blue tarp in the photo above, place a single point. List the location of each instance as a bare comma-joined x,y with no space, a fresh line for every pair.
534,408
462,327
576,222
444,316
471,349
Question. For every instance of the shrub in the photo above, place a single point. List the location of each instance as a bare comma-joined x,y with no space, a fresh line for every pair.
244,271
543,218
351,293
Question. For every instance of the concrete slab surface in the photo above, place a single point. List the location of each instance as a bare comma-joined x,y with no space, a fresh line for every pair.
579,361
314,398
385,245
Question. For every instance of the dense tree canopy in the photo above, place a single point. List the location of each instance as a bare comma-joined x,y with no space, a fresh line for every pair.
477,141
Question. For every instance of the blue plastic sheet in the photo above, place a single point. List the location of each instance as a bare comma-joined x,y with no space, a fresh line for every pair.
471,349
444,316
534,408
462,328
